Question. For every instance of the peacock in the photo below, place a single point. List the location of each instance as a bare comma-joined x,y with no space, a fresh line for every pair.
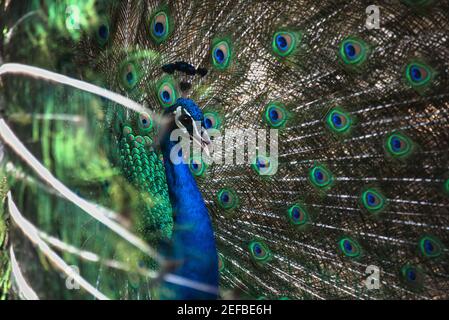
344,195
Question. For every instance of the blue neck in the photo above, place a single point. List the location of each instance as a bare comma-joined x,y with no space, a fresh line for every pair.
193,236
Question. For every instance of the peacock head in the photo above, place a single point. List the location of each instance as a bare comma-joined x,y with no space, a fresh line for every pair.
186,116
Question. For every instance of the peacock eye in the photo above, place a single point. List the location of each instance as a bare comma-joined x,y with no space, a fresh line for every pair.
353,51
197,167
411,276
349,247
320,176
373,200
284,43
145,123
102,32
398,145
227,199
262,165
338,121
297,215
275,115
160,26
211,120
167,94
221,54
208,122
418,74
129,75
430,247
259,251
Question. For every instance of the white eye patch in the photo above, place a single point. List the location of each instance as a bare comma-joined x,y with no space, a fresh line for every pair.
178,115
179,112
199,134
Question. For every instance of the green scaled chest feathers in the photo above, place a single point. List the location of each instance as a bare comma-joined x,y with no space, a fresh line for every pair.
142,166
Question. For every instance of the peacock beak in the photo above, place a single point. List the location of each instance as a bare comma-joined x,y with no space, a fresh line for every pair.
197,132
205,141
